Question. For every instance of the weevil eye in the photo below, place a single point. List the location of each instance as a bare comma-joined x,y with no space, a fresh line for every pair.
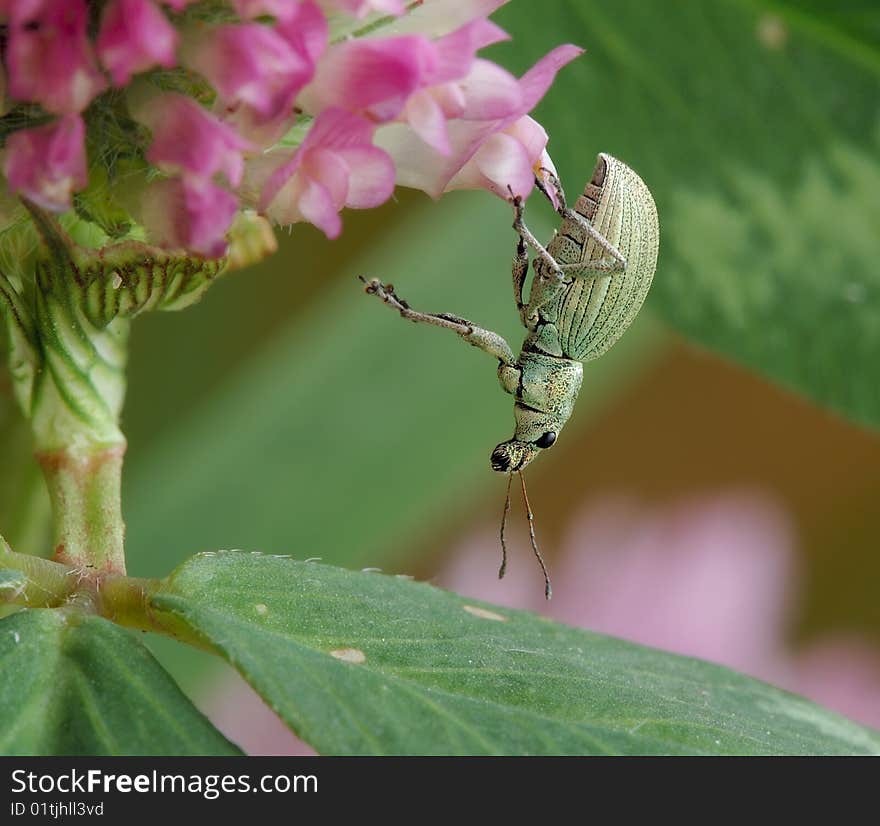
546,440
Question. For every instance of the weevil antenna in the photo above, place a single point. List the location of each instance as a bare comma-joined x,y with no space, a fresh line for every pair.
548,588
503,567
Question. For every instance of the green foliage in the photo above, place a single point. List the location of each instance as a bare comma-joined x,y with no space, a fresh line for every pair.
756,126
366,663
74,684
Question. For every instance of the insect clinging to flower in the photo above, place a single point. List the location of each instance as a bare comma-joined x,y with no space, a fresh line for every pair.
588,285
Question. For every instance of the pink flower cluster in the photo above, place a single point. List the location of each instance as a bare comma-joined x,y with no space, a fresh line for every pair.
298,126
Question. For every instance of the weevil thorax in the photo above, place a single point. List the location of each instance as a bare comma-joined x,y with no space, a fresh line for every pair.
545,393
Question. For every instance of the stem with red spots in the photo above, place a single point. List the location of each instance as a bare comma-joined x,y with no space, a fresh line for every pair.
84,487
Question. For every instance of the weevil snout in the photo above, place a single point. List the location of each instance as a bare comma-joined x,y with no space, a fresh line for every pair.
512,455
500,459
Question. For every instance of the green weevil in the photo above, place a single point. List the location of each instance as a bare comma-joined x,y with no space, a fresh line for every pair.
588,284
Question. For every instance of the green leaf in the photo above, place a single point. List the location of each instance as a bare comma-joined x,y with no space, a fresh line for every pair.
755,124
75,684
366,663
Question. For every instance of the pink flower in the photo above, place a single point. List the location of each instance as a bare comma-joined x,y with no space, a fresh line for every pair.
135,36
304,27
49,58
48,163
371,77
252,65
188,214
335,166
260,67
457,85
266,70
495,152
455,51
412,78
261,108
189,140
509,158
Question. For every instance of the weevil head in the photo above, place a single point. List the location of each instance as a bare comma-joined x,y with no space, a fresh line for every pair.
515,454
535,432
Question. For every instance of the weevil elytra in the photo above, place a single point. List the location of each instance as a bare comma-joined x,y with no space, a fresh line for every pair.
588,284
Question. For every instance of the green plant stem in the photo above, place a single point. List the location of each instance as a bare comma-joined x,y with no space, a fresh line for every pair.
45,583
126,601
84,486
121,599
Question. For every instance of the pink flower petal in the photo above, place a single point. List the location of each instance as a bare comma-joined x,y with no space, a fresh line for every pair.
330,169
421,166
255,128
536,81
252,64
189,139
48,163
428,121
500,162
135,36
338,129
531,135
371,176
490,92
455,51
301,23
304,26
316,206
188,215
272,199
48,55
371,76
450,98
336,165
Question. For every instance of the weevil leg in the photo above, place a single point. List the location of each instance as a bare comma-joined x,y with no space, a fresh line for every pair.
485,340
601,240
519,272
604,266
558,203
561,206
526,234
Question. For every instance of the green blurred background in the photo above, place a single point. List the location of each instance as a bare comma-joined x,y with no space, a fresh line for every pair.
289,413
